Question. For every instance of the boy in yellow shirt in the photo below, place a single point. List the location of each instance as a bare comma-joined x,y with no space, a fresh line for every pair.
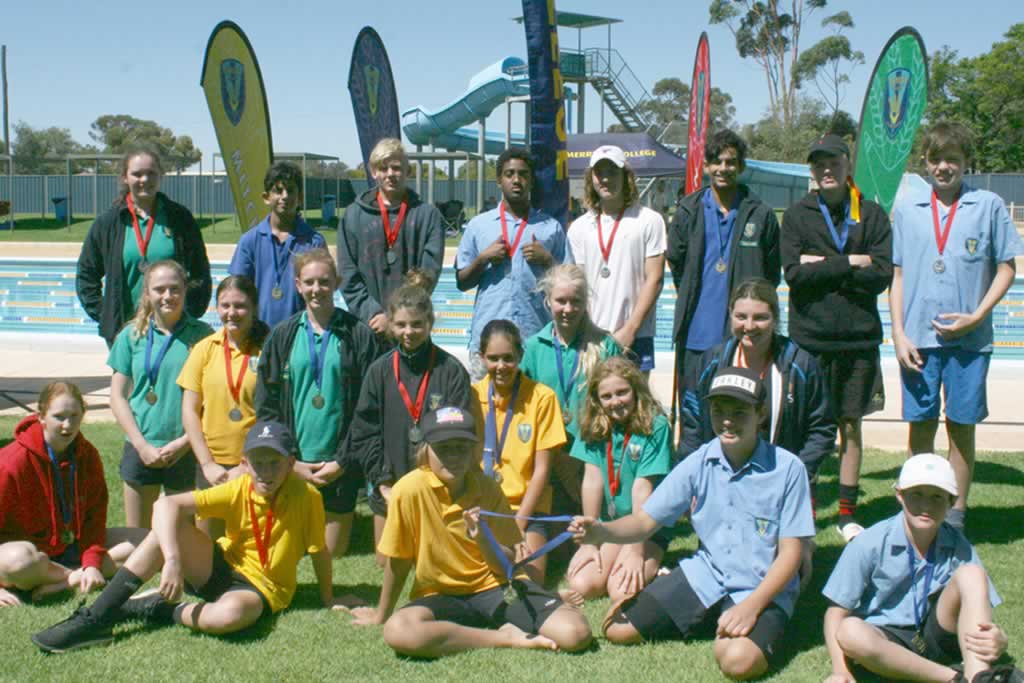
272,518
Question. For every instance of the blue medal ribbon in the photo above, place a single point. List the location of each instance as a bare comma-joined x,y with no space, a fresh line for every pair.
921,606
276,260
493,446
838,237
561,371
510,567
316,359
67,507
153,367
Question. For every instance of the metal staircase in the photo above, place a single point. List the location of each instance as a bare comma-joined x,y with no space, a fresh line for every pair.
618,86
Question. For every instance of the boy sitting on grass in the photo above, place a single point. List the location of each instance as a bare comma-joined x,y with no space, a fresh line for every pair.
910,596
749,503
273,519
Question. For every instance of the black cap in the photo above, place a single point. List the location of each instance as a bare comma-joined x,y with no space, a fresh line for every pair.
270,434
448,422
742,384
830,144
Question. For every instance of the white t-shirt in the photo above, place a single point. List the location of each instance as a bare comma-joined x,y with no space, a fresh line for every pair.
641,235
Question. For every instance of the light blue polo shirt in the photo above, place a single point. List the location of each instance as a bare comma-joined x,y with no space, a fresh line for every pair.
872,578
982,237
508,290
739,517
255,257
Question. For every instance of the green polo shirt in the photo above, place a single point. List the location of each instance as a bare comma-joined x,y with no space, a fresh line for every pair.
316,428
161,246
645,456
159,423
540,364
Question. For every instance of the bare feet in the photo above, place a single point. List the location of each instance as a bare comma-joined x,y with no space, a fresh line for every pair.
517,637
571,597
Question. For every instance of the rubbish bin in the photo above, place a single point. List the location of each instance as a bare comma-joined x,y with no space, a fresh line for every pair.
327,208
60,208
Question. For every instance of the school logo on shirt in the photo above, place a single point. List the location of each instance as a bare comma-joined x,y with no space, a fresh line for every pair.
372,76
167,231
435,401
232,89
762,526
634,451
971,244
897,86
524,431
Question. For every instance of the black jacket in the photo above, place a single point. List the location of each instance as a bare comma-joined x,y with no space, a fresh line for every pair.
805,426
101,257
378,441
358,347
754,251
833,306
366,278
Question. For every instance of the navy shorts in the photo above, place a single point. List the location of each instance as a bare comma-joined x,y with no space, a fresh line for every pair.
669,609
529,610
854,382
642,353
341,494
181,476
224,579
958,373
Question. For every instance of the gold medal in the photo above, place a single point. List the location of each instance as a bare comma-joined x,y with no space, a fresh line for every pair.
510,593
277,293
720,266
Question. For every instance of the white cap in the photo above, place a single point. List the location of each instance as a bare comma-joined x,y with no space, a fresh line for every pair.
611,153
927,469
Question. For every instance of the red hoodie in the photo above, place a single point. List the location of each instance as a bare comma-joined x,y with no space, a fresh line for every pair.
28,504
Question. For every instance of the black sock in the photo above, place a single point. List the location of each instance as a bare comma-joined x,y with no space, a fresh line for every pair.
847,503
121,587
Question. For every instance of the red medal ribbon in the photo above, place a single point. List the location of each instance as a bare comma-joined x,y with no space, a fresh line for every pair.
143,243
741,360
607,252
942,235
415,410
614,478
235,389
389,234
511,246
262,544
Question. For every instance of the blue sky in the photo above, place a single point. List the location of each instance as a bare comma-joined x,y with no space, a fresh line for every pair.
70,62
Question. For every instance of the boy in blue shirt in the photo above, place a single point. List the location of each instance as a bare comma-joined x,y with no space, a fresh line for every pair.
749,503
953,260
910,596
264,253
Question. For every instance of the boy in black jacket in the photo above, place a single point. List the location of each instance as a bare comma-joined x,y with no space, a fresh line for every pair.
837,259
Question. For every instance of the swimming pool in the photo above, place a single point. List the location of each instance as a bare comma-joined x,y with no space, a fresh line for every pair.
39,296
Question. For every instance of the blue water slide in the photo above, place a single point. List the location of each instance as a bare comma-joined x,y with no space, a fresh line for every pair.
453,127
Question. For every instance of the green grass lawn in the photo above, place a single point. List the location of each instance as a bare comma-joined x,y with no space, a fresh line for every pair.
309,643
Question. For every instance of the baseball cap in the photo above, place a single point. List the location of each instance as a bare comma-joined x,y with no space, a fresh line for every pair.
742,384
611,153
448,422
927,469
830,144
270,434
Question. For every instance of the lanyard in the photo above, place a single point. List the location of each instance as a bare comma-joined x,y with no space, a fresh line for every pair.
507,565
566,388
153,367
262,544
921,606
142,242
615,478
316,360
606,252
415,410
235,389
838,237
942,234
275,257
512,246
390,234
493,446
65,500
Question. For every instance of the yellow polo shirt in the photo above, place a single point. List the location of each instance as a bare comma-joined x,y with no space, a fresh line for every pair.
298,530
536,426
426,526
205,374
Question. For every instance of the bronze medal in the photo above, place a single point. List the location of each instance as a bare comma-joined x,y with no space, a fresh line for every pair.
67,537
318,401
151,397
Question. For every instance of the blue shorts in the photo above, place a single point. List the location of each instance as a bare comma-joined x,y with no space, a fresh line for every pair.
642,353
962,374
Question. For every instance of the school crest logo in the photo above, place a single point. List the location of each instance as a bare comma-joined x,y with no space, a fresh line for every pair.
762,527
232,89
894,110
435,401
371,75
748,230
524,431
971,245
634,451
167,231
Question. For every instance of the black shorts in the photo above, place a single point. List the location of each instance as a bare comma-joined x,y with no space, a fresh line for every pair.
669,609
181,476
341,494
932,642
224,579
854,381
531,608
70,558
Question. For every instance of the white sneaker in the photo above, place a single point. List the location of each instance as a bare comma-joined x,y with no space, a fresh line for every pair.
849,531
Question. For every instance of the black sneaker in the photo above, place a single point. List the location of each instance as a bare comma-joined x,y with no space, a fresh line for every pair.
150,607
1000,674
78,631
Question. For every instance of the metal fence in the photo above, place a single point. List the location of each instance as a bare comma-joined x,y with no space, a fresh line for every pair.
1009,186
